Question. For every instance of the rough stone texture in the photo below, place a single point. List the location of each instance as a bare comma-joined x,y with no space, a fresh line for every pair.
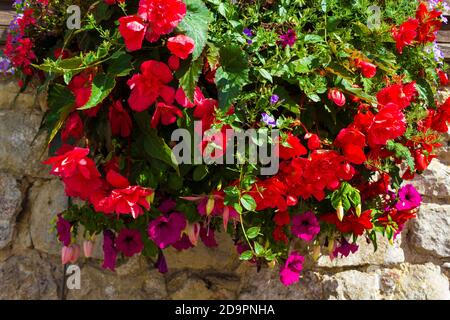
28,276
417,266
10,205
46,199
430,231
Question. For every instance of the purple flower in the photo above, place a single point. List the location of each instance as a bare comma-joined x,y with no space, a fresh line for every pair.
5,65
63,228
183,244
248,32
129,242
305,226
166,230
345,248
408,198
208,237
274,99
161,264
289,38
269,120
167,205
109,250
290,272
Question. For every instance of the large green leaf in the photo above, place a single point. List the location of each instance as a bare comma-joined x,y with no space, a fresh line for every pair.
120,64
102,86
157,148
232,75
195,25
189,80
60,101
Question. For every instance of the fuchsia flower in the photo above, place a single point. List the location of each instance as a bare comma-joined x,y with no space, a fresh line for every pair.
408,198
161,263
345,248
305,226
166,230
290,272
63,228
208,237
129,242
109,250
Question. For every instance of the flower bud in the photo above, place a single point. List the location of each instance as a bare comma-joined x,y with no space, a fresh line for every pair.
75,253
210,205
340,211
316,253
358,210
337,97
193,232
88,247
66,254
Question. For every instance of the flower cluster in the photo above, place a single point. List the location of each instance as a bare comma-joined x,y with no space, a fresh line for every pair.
354,110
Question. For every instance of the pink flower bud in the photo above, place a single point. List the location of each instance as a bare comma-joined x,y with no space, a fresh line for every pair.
337,97
88,247
193,232
66,254
75,253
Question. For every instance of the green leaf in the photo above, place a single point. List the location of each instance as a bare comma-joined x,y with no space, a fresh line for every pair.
401,152
253,232
259,249
60,101
232,75
200,172
102,86
266,75
120,64
248,202
246,255
425,91
189,80
157,148
196,24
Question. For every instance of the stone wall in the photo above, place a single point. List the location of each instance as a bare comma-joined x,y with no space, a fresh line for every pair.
417,266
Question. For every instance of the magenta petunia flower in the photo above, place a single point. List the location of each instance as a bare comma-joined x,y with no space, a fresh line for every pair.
345,248
166,230
289,38
109,250
183,244
290,272
208,237
408,198
63,228
305,226
129,242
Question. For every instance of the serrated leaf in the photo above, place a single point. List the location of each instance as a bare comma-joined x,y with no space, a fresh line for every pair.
102,85
196,24
189,80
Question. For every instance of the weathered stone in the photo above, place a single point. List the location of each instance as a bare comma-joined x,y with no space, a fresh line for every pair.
28,276
10,205
103,284
222,258
10,98
434,183
22,147
430,231
191,286
386,254
352,285
46,200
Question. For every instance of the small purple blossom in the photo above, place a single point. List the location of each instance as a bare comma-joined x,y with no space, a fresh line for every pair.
290,272
345,248
408,198
5,66
249,33
289,38
274,99
305,226
269,120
